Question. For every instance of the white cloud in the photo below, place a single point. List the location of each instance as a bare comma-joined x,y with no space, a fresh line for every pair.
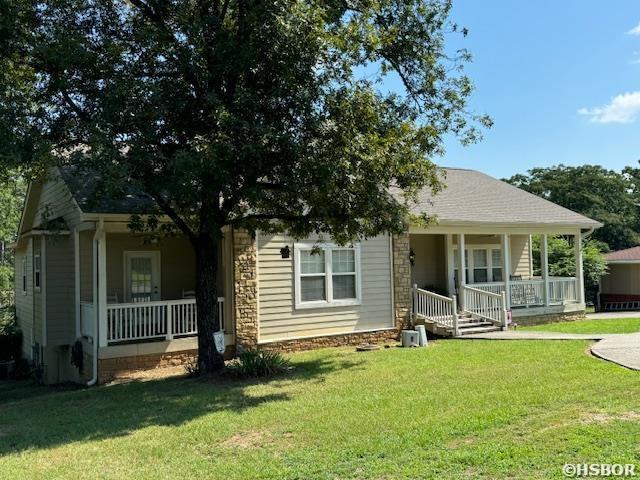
635,30
624,108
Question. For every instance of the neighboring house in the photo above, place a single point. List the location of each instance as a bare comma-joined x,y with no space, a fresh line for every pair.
620,286
83,275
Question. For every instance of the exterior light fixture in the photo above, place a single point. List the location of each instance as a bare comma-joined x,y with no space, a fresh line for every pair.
412,257
285,252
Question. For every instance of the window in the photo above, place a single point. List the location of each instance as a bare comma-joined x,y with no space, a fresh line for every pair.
496,265
24,275
326,275
456,265
480,266
312,276
36,271
482,261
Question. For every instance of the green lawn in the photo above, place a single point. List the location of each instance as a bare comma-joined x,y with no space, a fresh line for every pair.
612,325
458,409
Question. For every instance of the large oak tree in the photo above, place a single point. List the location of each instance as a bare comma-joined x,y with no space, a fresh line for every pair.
257,114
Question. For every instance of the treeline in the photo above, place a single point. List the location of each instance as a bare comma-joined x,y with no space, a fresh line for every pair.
608,196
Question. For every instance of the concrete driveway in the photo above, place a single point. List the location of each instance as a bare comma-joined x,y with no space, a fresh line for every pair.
621,349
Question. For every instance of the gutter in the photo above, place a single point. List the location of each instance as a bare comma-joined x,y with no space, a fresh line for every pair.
96,316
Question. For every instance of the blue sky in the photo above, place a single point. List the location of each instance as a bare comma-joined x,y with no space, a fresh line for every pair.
548,73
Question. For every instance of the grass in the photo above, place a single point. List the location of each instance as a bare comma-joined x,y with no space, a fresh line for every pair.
457,409
609,325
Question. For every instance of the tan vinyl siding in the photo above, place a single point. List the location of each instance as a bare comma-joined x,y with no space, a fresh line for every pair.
176,257
60,290
429,271
56,201
277,316
37,294
521,255
623,279
24,303
86,265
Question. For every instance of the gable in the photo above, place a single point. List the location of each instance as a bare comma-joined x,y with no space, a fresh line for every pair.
48,199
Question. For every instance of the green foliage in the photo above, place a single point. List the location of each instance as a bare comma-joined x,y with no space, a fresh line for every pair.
6,280
258,363
604,195
10,336
261,115
600,325
254,114
477,410
562,261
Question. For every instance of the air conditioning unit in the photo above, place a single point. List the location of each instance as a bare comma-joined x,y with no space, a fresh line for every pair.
410,338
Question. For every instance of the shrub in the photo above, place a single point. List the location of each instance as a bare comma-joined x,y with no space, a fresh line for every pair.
258,363
10,336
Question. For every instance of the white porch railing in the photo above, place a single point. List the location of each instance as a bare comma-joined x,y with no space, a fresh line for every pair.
435,308
486,305
151,320
530,293
563,290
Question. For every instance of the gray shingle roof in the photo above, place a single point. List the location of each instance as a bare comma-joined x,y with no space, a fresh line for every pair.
84,186
472,197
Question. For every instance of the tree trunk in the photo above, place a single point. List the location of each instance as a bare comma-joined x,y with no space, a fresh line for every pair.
206,249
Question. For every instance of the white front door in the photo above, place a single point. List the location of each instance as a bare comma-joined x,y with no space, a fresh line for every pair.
142,276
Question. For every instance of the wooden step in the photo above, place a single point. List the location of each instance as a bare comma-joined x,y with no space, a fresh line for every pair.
477,323
468,331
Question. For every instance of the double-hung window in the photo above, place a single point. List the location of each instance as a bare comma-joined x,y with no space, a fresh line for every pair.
496,265
37,271
326,275
24,275
482,264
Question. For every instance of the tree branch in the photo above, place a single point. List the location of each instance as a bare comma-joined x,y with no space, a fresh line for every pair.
173,215
156,18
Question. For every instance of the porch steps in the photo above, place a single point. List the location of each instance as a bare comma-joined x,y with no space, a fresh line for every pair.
467,325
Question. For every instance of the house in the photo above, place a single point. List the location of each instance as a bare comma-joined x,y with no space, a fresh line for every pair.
84,279
620,286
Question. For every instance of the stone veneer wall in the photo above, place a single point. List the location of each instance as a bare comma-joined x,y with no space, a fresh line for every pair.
339,340
113,368
245,282
550,318
401,281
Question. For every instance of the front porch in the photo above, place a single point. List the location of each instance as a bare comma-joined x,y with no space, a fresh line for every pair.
136,297
497,283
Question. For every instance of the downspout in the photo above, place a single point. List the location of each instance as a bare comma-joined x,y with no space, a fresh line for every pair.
96,315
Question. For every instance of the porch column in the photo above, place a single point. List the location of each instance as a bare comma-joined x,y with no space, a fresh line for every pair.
451,284
577,240
505,240
544,262
462,272
101,240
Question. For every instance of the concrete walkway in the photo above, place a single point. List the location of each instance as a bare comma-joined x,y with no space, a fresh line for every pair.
606,315
532,335
621,349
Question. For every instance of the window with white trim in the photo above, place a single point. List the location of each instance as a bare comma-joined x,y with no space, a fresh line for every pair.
326,275
483,264
24,275
496,265
37,271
